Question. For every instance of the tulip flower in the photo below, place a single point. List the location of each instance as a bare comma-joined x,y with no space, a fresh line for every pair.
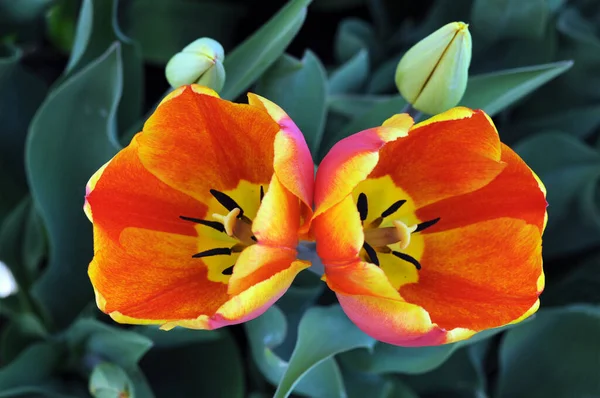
200,62
430,233
196,222
432,75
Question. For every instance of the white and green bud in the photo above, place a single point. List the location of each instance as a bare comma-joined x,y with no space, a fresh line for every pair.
200,62
432,76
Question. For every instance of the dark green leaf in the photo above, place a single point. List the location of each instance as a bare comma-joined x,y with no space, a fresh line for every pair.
23,330
23,94
383,78
97,29
110,381
250,59
386,358
300,88
322,333
211,368
68,142
35,364
266,333
180,22
457,375
354,35
555,355
497,91
495,19
105,343
351,76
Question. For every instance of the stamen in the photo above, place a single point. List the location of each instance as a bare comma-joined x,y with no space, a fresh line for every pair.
262,193
228,270
426,224
408,258
363,206
371,253
228,220
219,251
212,224
226,201
393,208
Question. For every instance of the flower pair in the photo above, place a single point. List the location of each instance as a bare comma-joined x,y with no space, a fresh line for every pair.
428,233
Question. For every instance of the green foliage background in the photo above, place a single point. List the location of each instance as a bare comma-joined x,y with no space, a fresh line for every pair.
77,78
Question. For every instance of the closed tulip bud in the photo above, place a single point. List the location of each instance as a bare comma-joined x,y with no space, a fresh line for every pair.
432,75
200,62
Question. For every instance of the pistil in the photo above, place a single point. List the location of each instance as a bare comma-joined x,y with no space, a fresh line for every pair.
399,233
236,227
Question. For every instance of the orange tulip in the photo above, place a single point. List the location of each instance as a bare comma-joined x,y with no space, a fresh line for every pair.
196,222
430,233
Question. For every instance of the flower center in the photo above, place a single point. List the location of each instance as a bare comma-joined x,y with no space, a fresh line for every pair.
377,240
234,224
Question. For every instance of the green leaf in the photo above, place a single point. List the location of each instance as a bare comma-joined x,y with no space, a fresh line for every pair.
23,330
373,118
386,358
562,342
266,334
322,333
570,172
97,30
110,381
35,364
89,99
353,36
579,284
94,339
351,76
20,16
216,369
24,92
457,375
496,19
494,92
300,88
576,122
181,22
383,79
249,60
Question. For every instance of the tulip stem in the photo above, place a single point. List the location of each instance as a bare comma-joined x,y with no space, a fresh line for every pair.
415,114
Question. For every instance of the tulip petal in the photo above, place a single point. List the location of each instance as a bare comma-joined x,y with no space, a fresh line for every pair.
339,233
451,154
479,276
224,143
293,162
513,193
352,159
376,308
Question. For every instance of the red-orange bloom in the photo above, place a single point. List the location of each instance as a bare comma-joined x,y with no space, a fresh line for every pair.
430,233
196,222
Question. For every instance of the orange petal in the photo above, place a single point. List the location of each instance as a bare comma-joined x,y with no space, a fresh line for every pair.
339,233
151,277
196,141
450,154
377,309
278,219
352,159
479,276
123,193
293,162
515,192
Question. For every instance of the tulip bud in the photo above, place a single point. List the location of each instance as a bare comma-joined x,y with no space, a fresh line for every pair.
432,75
200,62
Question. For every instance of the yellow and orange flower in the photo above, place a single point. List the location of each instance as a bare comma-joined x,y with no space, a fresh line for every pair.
430,233
196,222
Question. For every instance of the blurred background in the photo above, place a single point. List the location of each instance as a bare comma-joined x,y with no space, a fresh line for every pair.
78,78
